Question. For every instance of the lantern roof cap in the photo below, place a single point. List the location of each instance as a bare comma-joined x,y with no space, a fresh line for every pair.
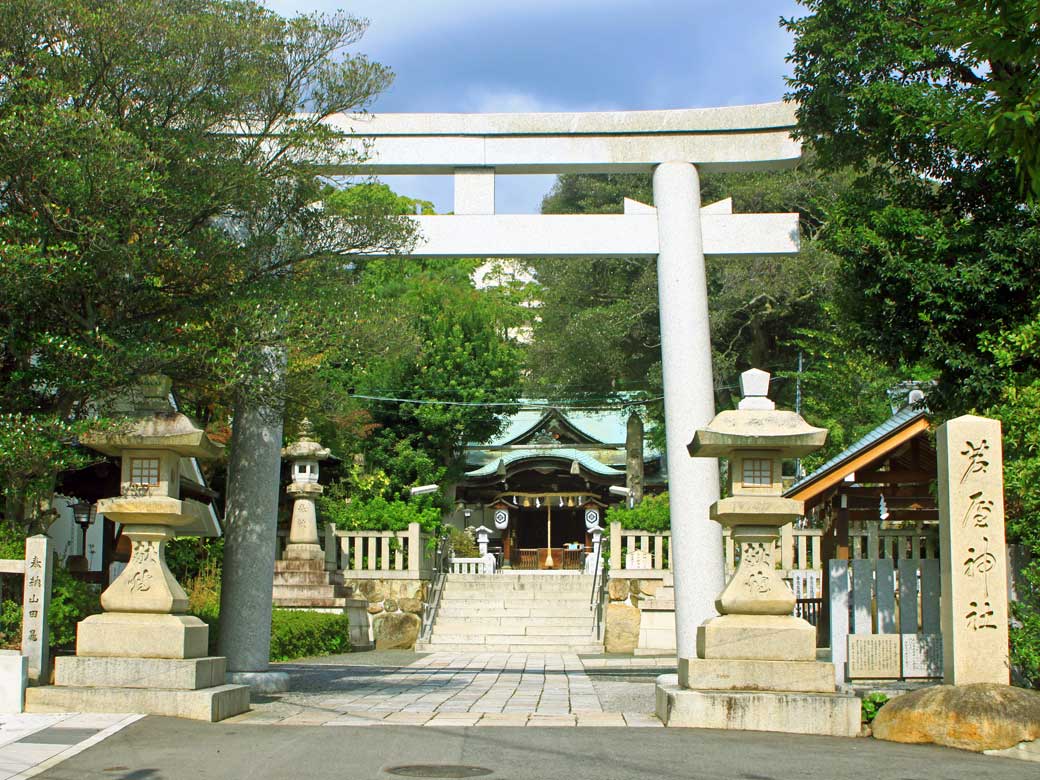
305,447
166,430
756,425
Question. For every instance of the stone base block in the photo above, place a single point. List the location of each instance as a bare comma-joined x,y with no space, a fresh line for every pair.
209,704
300,566
757,637
14,677
723,674
261,682
826,714
304,552
188,674
133,635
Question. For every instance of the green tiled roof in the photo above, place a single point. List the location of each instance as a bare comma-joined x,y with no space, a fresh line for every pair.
567,454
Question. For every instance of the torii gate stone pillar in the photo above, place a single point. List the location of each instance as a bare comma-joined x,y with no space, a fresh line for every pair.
673,144
689,398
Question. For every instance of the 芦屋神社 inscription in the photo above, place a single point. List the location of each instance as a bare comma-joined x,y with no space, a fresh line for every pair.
971,536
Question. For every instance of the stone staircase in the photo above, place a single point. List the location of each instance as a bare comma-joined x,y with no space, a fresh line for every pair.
530,612
306,584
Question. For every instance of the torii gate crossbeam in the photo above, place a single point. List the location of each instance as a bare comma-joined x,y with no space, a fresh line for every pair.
672,144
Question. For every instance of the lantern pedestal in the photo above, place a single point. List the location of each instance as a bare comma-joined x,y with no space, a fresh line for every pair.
303,532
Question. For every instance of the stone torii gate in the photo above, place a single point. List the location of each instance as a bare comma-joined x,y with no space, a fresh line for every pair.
674,145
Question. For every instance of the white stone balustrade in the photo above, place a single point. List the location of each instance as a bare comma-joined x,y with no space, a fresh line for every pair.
379,554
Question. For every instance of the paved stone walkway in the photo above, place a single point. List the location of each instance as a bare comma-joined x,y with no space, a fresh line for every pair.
451,689
32,742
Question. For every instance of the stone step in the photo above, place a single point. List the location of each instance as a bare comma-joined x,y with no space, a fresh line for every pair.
527,577
520,583
314,602
482,639
430,647
312,591
486,604
315,566
209,704
448,609
448,628
496,594
657,605
307,578
494,622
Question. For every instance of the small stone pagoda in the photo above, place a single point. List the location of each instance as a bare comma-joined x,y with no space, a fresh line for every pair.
756,664
144,653
302,578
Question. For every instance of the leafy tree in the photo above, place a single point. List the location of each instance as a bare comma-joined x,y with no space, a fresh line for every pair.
157,196
599,329
933,104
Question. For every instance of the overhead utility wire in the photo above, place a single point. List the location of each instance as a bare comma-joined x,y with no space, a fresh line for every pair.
546,404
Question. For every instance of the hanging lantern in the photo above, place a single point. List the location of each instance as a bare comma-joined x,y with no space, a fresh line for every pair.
501,517
591,516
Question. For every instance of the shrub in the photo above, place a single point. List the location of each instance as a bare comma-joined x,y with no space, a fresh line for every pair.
294,634
71,601
462,543
188,557
379,514
300,634
651,514
871,703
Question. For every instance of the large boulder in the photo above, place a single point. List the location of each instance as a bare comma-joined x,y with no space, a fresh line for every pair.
983,716
621,634
618,590
411,605
396,630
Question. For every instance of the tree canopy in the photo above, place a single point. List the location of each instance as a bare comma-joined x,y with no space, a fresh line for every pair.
157,191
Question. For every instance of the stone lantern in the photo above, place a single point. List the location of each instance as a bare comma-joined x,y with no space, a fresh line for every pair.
483,535
143,653
304,454
756,662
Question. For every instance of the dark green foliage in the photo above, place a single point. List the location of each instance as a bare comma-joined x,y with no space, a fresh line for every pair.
870,705
187,557
71,601
301,634
651,514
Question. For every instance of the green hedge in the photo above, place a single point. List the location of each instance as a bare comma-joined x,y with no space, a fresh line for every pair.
301,634
295,633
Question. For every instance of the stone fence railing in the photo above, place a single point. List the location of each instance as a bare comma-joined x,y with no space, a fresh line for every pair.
635,550
797,550
404,554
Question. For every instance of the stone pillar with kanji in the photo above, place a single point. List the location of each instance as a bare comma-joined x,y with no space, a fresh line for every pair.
974,604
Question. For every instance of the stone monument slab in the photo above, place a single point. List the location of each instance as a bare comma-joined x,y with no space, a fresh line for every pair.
874,656
922,655
974,612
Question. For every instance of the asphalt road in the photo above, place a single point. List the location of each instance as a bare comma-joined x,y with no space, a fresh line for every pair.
170,749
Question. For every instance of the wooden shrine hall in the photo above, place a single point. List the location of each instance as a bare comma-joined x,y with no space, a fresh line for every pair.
544,484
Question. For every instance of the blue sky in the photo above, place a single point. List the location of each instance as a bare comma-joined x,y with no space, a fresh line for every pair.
565,55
